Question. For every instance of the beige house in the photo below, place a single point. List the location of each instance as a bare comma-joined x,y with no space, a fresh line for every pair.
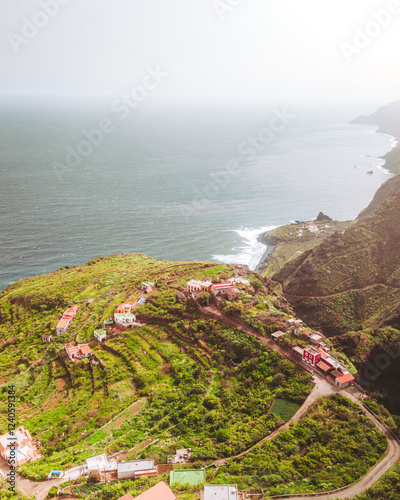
18,448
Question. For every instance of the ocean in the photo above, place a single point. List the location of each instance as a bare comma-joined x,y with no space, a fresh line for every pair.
175,184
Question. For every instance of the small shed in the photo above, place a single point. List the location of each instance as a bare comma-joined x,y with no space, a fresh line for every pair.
278,335
47,337
344,381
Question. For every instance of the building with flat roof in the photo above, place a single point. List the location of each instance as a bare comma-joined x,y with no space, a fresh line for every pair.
220,492
278,335
191,477
130,470
100,335
76,352
311,356
124,319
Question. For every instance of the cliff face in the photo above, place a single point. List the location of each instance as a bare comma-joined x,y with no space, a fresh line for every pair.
387,117
352,280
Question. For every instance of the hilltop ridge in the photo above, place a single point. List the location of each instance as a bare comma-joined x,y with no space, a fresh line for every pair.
351,279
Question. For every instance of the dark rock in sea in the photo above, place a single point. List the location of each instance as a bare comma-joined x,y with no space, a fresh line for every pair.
370,172
322,217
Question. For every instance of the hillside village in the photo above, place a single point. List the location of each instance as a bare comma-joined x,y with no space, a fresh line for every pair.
309,349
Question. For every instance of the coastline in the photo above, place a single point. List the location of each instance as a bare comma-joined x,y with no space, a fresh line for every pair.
391,165
270,248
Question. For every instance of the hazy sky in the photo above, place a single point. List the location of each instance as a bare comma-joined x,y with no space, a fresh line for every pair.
211,49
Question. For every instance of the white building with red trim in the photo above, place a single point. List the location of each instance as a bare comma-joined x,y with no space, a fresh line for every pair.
66,319
77,352
311,356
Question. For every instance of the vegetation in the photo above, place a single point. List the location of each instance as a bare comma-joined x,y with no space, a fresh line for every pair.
181,379
288,244
6,493
387,488
311,455
170,383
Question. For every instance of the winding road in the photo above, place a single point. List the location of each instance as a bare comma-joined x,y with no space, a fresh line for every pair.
322,388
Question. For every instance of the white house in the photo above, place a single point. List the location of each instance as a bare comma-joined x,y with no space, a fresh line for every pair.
147,286
194,286
100,335
124,319
76,352
220,492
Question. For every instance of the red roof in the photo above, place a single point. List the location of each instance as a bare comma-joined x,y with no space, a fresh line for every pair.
323,366
159,492
63,322
85,349
127,496
67,316
345,378
71,348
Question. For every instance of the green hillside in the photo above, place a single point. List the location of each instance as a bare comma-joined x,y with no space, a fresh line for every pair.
177,367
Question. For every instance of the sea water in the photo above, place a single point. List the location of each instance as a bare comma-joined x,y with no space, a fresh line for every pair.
175,184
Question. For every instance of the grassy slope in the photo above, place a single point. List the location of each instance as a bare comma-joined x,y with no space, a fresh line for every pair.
360,267
168,363
288,245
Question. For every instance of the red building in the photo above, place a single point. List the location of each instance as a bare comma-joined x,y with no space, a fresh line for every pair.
311,356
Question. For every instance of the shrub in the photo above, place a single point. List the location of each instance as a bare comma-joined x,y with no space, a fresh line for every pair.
52,492
94,477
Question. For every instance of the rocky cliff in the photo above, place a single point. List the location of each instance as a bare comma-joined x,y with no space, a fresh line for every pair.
352,279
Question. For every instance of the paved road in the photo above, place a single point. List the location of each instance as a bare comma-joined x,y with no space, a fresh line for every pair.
321,389
391,457
38,488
